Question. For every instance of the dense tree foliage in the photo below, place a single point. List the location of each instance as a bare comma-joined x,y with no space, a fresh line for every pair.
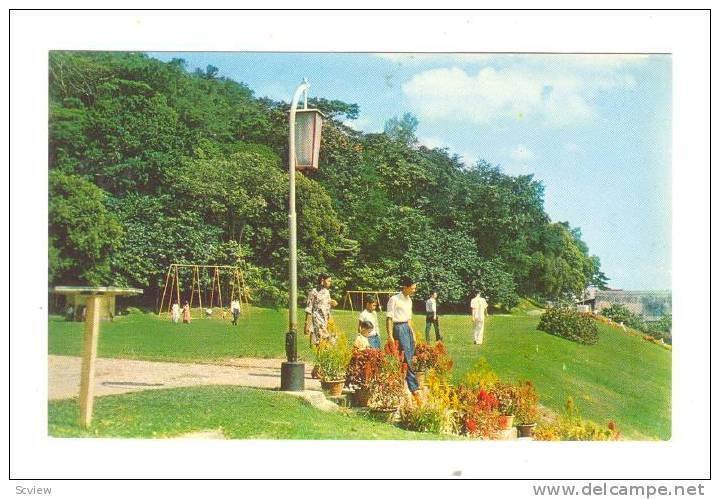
151,164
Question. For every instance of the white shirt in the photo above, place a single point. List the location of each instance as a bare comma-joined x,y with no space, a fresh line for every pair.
361,342
399,308
431,306
235,305
365,315
478,306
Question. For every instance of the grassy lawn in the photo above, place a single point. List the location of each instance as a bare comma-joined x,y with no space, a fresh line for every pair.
622,378
234,410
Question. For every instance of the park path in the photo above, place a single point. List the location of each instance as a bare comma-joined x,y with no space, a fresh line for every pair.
113,376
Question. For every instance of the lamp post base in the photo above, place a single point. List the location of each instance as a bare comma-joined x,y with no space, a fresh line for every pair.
292,376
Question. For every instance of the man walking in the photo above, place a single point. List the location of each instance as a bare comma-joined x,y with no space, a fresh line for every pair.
478,310
431,317
399,327
235,309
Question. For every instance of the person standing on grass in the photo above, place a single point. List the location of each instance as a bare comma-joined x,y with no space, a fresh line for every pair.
235,309
362,342
478,310
399,328
186,312
370,315
431,317
317,312
175,312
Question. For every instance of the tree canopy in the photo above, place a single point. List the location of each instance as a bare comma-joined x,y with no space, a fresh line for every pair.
151,164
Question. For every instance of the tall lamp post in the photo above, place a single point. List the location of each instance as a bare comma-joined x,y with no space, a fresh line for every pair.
303,154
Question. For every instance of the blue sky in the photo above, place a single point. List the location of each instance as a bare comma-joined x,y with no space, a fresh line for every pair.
595,129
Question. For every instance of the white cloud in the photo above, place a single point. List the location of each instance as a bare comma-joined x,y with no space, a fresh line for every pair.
521,153
549,97
362,124
432,142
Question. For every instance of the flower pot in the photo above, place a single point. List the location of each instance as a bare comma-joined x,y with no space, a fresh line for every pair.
506,422
383,414
526,430
359,397
420,377
334,387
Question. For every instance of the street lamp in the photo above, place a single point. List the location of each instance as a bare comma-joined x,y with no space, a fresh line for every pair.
303,155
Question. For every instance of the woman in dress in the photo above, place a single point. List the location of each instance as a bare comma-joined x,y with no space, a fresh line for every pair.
317,312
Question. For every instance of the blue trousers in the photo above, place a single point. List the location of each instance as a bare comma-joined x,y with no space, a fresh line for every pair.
402,333
374,341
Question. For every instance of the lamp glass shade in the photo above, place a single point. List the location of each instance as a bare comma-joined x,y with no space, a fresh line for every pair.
308,126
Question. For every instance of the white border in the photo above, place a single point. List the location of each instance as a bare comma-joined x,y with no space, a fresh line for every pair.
684,34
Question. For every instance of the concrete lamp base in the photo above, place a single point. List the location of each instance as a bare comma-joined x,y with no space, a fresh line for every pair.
292,376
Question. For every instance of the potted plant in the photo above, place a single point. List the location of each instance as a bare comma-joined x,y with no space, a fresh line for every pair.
508,397
423,360
363,367
479,416
429,357
387,389
331,361
527,409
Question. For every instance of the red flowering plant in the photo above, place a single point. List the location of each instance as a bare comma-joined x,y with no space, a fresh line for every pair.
387,388
432,357
508,398
425,357
364,366
481,418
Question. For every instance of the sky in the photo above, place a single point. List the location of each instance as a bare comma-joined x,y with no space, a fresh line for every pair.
595,129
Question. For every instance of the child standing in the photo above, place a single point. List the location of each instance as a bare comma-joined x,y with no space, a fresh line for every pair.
361,342
370,315
175,312
186,313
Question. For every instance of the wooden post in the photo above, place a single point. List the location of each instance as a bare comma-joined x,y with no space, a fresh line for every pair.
177,285
197,273
87,371
220,302
162,300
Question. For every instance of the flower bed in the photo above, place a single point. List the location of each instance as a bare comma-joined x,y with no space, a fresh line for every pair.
569,324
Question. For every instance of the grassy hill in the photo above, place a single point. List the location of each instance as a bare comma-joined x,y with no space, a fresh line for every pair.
622,378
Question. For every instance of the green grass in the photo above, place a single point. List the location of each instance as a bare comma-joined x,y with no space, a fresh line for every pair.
622,378
233,410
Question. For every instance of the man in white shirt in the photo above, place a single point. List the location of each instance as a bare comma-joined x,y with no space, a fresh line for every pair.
431,317
399,327
235,309
370,315
478,309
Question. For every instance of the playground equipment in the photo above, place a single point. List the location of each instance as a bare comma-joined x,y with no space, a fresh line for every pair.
227,277
351,296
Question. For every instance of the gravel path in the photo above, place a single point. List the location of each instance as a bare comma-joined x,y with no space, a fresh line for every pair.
114,376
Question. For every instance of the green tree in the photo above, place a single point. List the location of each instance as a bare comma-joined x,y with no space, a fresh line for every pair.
82,232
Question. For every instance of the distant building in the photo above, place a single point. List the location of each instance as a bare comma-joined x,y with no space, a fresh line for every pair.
651,305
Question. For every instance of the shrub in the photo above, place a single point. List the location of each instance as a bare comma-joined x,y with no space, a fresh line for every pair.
480,376
331,359
527,403
508,398
481,416
430,417
363,367
429,357
387,389
570,426
569,324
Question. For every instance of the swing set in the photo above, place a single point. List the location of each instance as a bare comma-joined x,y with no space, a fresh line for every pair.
352,295
220,276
